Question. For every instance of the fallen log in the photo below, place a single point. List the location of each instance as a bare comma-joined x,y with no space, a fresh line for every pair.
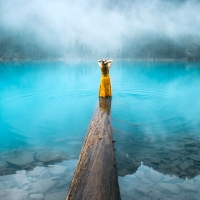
95,177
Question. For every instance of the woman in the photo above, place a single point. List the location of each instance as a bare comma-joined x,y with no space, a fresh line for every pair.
105,85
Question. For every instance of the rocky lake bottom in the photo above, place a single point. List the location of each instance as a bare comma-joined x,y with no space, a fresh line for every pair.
148,184
146,170
38,173
151,167
41,183
174,156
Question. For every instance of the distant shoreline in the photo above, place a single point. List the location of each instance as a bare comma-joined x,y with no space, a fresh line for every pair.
127,59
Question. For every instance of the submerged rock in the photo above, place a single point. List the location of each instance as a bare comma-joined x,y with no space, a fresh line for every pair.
21,160
36,197
169,188
195,157
57,195
7,171
183,173
37,171
154,176
173,148
191,144
155,160
162,166
43,185
143,191
3,164
14,195
188,188
20,180
167,162
175,163
57,170
122,172
175,169
50,156
191,172
44,174
192,150
191,196
155,194
184,165
139,174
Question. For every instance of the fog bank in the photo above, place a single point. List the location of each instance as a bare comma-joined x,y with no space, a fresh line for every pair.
131,29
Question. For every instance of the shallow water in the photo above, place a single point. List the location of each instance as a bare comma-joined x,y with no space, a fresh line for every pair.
148,183
46,107
156,121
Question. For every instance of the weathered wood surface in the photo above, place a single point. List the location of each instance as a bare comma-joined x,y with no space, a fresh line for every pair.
95,177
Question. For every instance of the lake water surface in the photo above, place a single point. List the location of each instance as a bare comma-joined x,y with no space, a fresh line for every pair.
46,108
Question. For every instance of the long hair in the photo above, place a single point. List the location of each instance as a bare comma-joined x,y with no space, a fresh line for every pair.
104,64
104,68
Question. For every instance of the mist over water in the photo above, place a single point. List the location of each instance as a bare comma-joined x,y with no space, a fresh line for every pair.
105,27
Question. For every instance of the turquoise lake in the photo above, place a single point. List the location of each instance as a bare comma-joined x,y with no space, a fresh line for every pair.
46,108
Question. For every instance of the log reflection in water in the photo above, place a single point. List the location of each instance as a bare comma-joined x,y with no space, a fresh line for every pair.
105,104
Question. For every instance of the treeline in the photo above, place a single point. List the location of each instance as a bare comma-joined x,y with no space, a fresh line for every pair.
183,48
144,48
25,46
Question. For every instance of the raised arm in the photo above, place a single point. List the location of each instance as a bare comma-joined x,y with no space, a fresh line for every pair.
109,63
99,63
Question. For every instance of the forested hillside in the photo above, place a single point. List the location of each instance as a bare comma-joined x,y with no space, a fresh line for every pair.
158,29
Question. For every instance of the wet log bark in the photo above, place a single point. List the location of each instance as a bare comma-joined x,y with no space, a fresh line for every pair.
95,177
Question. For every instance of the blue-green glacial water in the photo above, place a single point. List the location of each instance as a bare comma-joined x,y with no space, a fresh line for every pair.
46,108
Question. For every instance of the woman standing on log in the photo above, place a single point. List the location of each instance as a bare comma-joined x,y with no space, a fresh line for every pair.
105,85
